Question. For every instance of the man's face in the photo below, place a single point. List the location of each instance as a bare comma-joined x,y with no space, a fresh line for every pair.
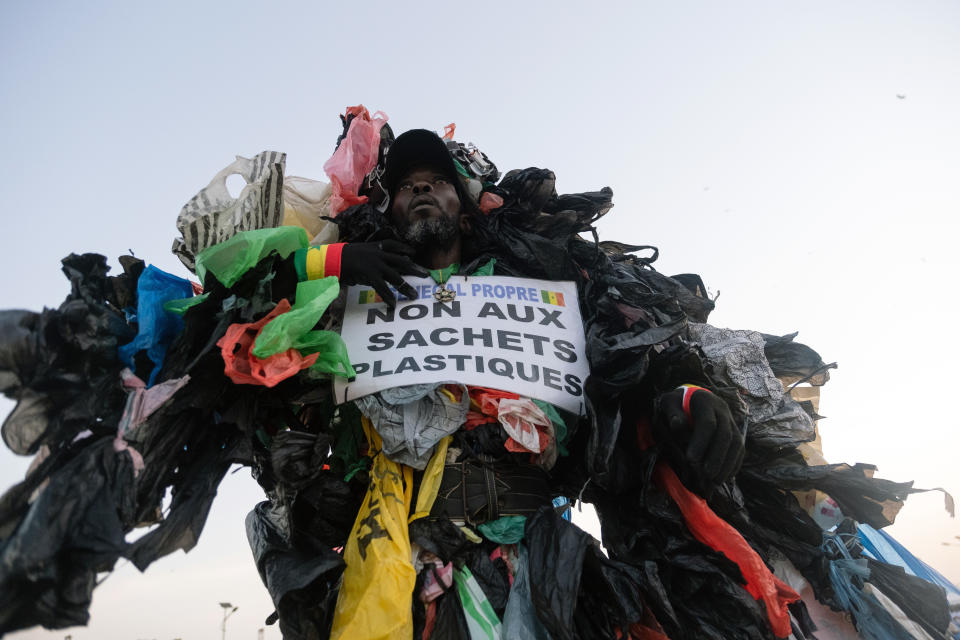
426,209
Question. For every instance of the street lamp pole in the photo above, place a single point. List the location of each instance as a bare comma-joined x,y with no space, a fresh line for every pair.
227,612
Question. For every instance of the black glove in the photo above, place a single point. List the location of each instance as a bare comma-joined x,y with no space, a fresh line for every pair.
714,444
378,263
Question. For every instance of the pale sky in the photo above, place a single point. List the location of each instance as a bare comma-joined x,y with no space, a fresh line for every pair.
759,144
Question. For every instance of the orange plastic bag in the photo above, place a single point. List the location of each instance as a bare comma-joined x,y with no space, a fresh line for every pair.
242,367
354,158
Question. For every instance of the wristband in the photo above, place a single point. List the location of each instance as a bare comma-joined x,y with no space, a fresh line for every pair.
314,263
688,391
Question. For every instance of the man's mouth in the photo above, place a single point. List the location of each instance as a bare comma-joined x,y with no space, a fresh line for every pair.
422,204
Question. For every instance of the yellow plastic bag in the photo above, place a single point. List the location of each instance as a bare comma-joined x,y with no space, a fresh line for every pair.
430,483
374,600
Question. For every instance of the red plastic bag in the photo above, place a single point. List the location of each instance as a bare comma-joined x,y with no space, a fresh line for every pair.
244,368
354,158
719,535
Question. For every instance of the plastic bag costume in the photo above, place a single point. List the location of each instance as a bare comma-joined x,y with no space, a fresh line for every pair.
133,387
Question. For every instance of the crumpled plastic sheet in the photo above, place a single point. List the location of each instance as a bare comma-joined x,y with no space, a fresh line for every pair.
156,328
213,215
790,359
411,420
252,296
775,419
302,580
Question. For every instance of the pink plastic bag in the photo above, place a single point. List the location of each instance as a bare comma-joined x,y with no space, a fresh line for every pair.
354,158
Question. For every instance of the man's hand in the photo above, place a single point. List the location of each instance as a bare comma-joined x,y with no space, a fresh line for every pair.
713,444
378,263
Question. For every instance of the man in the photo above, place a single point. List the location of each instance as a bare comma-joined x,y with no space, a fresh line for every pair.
431,211
483,480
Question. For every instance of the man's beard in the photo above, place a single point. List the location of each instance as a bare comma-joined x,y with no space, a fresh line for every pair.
432,233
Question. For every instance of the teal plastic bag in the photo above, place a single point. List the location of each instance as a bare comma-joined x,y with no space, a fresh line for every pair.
229,260
505,530
294,329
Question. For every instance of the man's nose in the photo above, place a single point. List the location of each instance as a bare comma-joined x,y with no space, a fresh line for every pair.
421,186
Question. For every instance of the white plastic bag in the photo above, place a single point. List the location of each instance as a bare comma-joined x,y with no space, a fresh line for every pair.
213,215
305,204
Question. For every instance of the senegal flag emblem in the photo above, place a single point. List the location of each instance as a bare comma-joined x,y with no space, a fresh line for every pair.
369,296
552,297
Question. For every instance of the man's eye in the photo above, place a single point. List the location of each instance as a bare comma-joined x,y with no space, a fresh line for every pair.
441,180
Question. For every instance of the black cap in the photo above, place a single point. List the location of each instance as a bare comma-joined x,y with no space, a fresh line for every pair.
416,148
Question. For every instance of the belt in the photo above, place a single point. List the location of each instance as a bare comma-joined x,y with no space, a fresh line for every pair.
477,491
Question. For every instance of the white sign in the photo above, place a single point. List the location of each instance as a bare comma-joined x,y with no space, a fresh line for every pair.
513,334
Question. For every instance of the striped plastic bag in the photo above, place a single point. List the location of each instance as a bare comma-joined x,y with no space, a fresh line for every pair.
213,215
482,620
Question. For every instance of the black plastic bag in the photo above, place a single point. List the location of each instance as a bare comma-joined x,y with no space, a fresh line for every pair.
576,590
73,530
303,582
924,602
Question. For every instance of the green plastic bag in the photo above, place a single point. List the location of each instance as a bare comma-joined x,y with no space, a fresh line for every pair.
230,259
294,329
181,305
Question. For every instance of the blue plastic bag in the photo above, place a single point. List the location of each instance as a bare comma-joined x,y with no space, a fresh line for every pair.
156,328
